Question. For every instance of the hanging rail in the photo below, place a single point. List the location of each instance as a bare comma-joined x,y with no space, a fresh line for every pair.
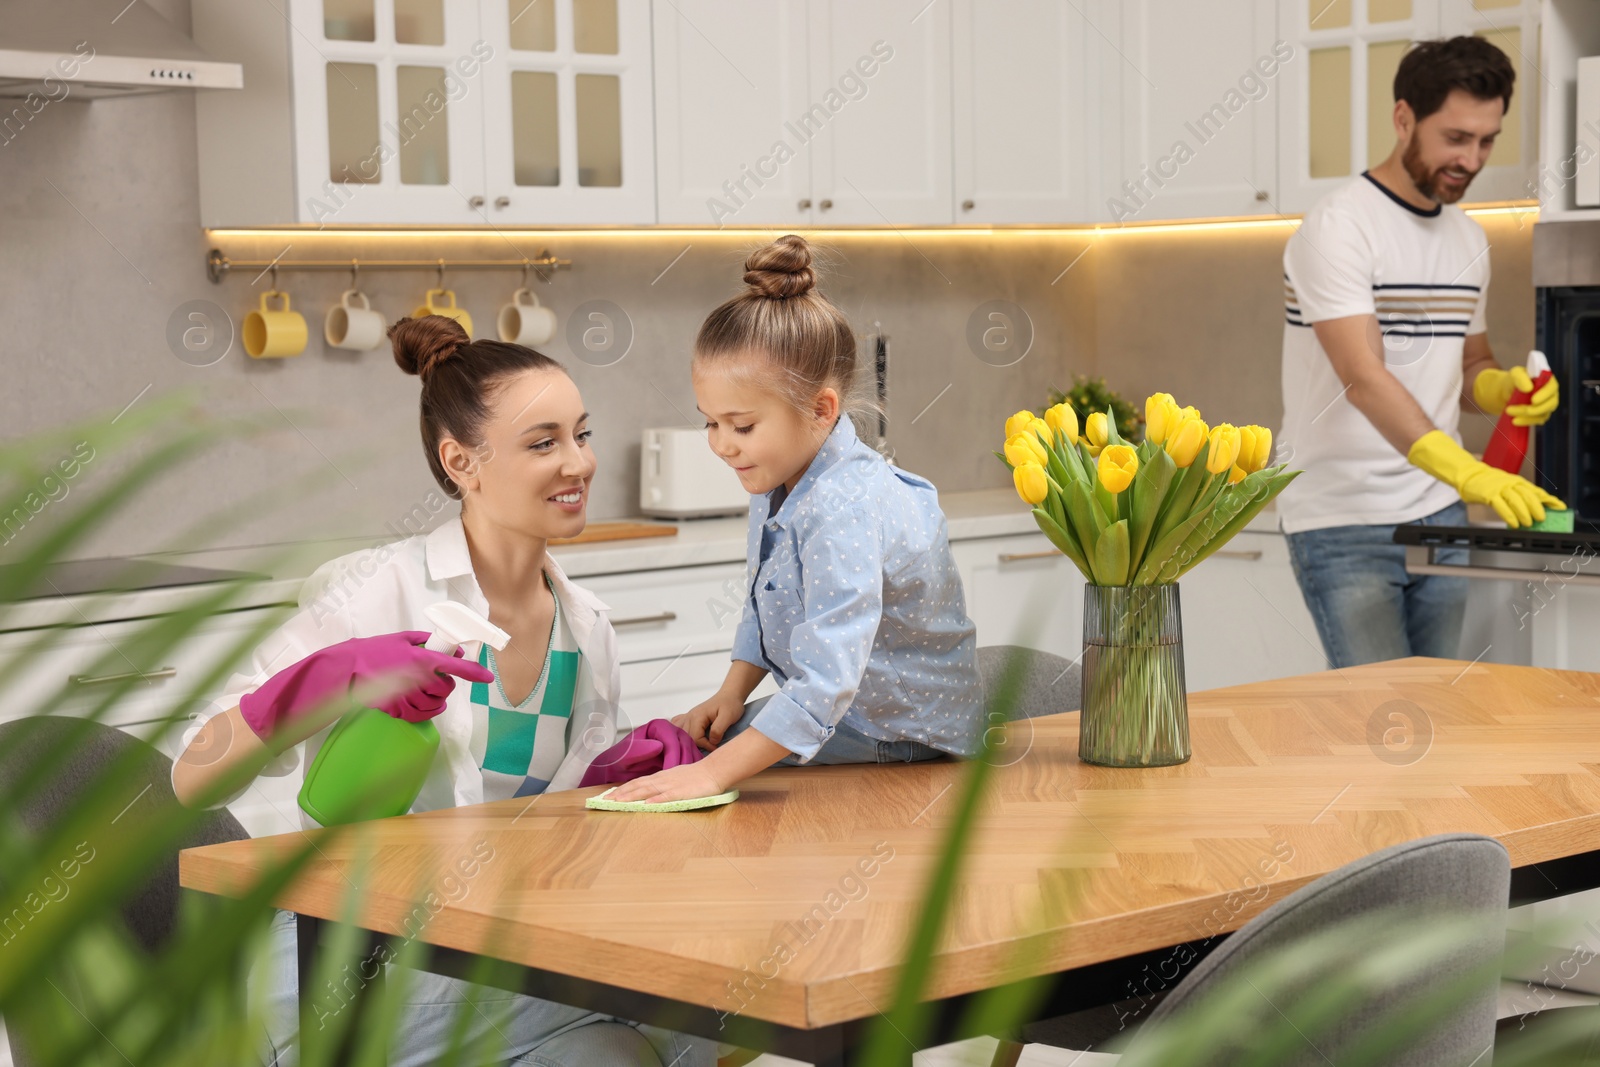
545,264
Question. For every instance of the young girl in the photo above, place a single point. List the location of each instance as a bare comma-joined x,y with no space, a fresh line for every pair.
506,434
854,602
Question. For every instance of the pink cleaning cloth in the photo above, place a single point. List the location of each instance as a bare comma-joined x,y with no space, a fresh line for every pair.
656,746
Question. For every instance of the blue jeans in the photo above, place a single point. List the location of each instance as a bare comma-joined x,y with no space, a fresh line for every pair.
847,745
1366,607
525,1031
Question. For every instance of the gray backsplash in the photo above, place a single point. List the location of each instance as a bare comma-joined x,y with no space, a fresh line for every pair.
101,242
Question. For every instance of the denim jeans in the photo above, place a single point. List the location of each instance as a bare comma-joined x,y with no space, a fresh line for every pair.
1366,607
847,745
526,1031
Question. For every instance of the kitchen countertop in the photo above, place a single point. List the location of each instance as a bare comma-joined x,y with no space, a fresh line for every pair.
972,515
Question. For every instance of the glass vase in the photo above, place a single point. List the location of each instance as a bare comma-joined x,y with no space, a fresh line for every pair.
1135,708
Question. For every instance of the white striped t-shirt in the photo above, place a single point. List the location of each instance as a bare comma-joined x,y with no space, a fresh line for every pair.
1425,274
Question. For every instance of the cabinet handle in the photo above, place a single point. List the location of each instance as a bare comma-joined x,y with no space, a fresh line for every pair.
805,204
825,205
967,205
103,679
1238,553
640,620
474,202
502,201
1018,557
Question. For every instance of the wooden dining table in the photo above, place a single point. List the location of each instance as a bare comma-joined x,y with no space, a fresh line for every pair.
779,921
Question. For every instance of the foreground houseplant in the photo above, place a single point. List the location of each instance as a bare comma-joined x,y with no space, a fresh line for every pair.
1135,519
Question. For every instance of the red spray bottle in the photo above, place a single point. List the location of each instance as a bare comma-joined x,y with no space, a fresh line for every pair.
1509,445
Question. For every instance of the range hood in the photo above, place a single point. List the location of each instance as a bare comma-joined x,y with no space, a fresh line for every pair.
94,49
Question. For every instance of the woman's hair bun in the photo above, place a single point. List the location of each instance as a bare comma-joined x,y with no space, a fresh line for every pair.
782,269
421,344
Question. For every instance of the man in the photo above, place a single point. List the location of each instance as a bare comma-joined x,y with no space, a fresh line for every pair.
1385,286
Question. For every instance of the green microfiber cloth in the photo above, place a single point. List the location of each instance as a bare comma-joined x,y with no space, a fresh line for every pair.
1555,521
600,803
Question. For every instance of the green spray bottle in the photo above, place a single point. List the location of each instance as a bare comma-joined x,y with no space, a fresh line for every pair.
372,765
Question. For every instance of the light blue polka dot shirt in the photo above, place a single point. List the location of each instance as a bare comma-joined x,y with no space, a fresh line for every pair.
856,607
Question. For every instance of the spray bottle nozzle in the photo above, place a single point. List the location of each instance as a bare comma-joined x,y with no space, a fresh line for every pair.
455,624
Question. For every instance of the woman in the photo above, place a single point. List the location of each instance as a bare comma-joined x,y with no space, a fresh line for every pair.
505,433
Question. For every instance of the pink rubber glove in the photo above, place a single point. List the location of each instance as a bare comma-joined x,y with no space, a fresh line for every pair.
655,746
333,670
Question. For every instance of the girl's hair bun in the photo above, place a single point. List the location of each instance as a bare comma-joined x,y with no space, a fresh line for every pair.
781,269
422,344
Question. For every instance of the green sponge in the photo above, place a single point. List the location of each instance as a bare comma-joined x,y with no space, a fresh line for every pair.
1556,520
600,803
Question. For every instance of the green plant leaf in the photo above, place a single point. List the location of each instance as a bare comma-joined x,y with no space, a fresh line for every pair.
1111,555
1062,538
1087,520
1149,491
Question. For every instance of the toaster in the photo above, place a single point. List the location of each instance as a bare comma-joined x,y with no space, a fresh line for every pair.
681,478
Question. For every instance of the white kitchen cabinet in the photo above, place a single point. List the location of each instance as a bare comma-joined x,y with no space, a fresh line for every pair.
730,81
68,671
660,689
1564,618
1244,619
815,112
1192,96
1336,112
883,156
1022,112
568,119
427,112
1021,591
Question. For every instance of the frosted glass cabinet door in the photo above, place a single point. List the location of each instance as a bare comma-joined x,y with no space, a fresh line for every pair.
387,102
879,112
1021,112
1513,27
1335,111
1199,90
730,94
567,112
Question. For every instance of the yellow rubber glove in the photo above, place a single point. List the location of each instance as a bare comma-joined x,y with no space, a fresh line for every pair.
1492,390
1515,499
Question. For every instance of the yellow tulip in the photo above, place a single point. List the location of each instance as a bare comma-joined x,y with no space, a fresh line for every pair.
1189,411
1235,476
1255,447
1095,430
1222,448
1018,422
1042,429
1186,440
1117,466
1064,421
1025,448
1160,417
1032,484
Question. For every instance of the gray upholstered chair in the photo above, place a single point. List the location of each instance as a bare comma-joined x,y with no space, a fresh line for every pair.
151,911
1463,874
1049,684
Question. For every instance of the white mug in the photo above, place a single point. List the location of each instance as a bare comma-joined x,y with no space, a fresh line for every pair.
357,328
525,322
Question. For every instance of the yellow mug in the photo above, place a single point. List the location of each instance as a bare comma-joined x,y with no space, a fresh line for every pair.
268,334
433,304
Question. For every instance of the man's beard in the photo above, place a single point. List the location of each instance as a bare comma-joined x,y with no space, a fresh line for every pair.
1427,181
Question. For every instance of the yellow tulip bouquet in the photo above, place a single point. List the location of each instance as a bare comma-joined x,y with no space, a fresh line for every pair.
1135,519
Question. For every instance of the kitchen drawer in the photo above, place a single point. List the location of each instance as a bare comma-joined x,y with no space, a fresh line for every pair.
1244,619
1021,591
35,685
679,611
660,689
